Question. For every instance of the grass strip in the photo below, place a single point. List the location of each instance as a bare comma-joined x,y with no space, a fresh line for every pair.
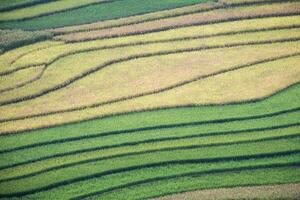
48,8
92,13
153,187
197,19
143,148
9,5
133,20
43,152
132,163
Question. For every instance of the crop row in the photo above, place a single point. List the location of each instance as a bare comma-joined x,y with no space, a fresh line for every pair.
186,142
201,7
61,161
21,78
89,13
63,185
8,59
52,54
41,166
37,89
52,154
234,152
283,190
272,66
7,5
29,67
167,40
212,17
164,185
106,124
47,8
180,12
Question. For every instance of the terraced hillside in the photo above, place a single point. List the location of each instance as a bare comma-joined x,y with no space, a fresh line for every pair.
142,99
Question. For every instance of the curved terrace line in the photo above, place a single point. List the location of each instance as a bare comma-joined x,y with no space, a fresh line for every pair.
8,72
25,5
158,127
47,64
131,44
34,50
133,143
191,174
93,149
59,11
165,149
145,166
141,43
58,33
37,77
128,45
108,63
217,6
244,191
149,110
230,19
137,56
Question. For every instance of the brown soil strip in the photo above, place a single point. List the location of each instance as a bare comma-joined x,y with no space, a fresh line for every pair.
286,191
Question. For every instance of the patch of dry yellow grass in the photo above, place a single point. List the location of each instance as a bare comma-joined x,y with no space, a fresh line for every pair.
47,55
258,81
71,66
8,58
19,77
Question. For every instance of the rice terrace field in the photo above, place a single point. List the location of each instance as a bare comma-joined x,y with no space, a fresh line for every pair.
150,99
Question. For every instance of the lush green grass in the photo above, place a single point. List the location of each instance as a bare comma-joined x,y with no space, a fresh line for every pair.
42,151
69,152
227,179
45,9
125,163
97,12
282,101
